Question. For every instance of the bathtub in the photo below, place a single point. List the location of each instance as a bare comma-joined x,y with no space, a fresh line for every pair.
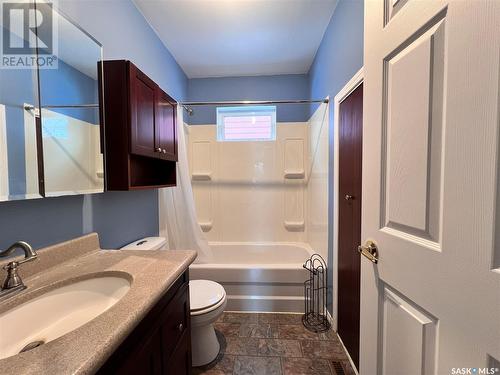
258,276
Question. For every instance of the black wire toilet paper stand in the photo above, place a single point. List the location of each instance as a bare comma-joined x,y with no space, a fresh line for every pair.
315,295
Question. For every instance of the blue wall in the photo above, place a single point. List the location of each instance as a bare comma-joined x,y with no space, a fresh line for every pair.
68,86
125,34
339,57
278,87
119,217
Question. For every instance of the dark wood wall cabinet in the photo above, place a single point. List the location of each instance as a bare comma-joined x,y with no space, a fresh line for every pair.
139,129
161,343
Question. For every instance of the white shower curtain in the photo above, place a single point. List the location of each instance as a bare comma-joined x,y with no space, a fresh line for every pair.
178,221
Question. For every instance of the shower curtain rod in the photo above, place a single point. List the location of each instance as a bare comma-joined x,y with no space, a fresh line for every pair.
30,107
248,102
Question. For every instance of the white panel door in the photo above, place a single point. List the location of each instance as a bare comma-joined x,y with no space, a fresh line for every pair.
431,117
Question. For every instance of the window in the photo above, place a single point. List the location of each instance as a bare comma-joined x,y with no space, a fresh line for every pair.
54,127
246,123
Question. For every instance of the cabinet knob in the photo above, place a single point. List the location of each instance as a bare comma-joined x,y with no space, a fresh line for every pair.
158,149
180,327
164,151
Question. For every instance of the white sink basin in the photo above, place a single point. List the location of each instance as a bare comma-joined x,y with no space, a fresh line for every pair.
57,312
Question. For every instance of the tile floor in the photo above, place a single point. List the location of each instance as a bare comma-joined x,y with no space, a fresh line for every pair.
274,344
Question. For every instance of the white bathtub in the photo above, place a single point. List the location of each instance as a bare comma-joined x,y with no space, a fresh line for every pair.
258,276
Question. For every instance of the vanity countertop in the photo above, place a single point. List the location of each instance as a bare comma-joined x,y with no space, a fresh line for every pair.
85,349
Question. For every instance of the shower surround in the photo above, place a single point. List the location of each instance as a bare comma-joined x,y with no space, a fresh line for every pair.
263,207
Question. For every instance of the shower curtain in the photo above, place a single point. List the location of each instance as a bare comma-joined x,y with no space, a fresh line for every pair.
178,221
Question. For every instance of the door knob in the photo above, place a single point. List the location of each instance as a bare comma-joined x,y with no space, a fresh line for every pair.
369,250
158,149
348,197
164,151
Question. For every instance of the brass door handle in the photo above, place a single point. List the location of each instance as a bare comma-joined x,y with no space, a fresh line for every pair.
369,250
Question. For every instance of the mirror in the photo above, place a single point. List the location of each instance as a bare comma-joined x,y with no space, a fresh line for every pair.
18,87
50,143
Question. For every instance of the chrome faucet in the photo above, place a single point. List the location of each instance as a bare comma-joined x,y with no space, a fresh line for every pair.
13,281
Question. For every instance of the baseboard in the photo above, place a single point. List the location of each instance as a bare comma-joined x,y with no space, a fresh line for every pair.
331,320
348,356
264,312
333,323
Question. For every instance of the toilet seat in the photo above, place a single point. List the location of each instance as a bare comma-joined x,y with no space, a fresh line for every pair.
205,296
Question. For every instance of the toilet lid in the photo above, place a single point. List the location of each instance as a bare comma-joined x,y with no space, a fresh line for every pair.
204,294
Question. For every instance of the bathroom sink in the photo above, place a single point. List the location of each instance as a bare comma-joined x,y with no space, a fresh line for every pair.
57,312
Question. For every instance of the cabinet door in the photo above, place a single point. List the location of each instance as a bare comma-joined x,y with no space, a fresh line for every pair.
166,129
180,361
145,359
175,321
176,334
142,113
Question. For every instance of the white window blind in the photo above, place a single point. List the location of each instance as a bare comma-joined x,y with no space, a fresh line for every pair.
249,123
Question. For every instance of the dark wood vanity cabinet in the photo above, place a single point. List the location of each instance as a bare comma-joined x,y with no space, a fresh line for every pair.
140,129
161,343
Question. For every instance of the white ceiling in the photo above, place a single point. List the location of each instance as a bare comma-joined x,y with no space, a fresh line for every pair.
218,38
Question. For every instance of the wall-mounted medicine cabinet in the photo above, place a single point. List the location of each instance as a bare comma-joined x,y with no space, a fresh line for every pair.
50,142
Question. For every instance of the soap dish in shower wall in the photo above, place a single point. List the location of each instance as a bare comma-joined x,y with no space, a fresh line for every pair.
295,226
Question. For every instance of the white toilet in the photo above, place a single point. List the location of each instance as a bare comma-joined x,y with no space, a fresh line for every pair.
147,243
208,301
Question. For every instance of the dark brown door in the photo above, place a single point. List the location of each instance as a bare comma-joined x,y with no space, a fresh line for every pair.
350,163
142,111
166,139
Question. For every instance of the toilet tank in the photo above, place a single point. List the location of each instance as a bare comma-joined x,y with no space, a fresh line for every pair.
147,243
